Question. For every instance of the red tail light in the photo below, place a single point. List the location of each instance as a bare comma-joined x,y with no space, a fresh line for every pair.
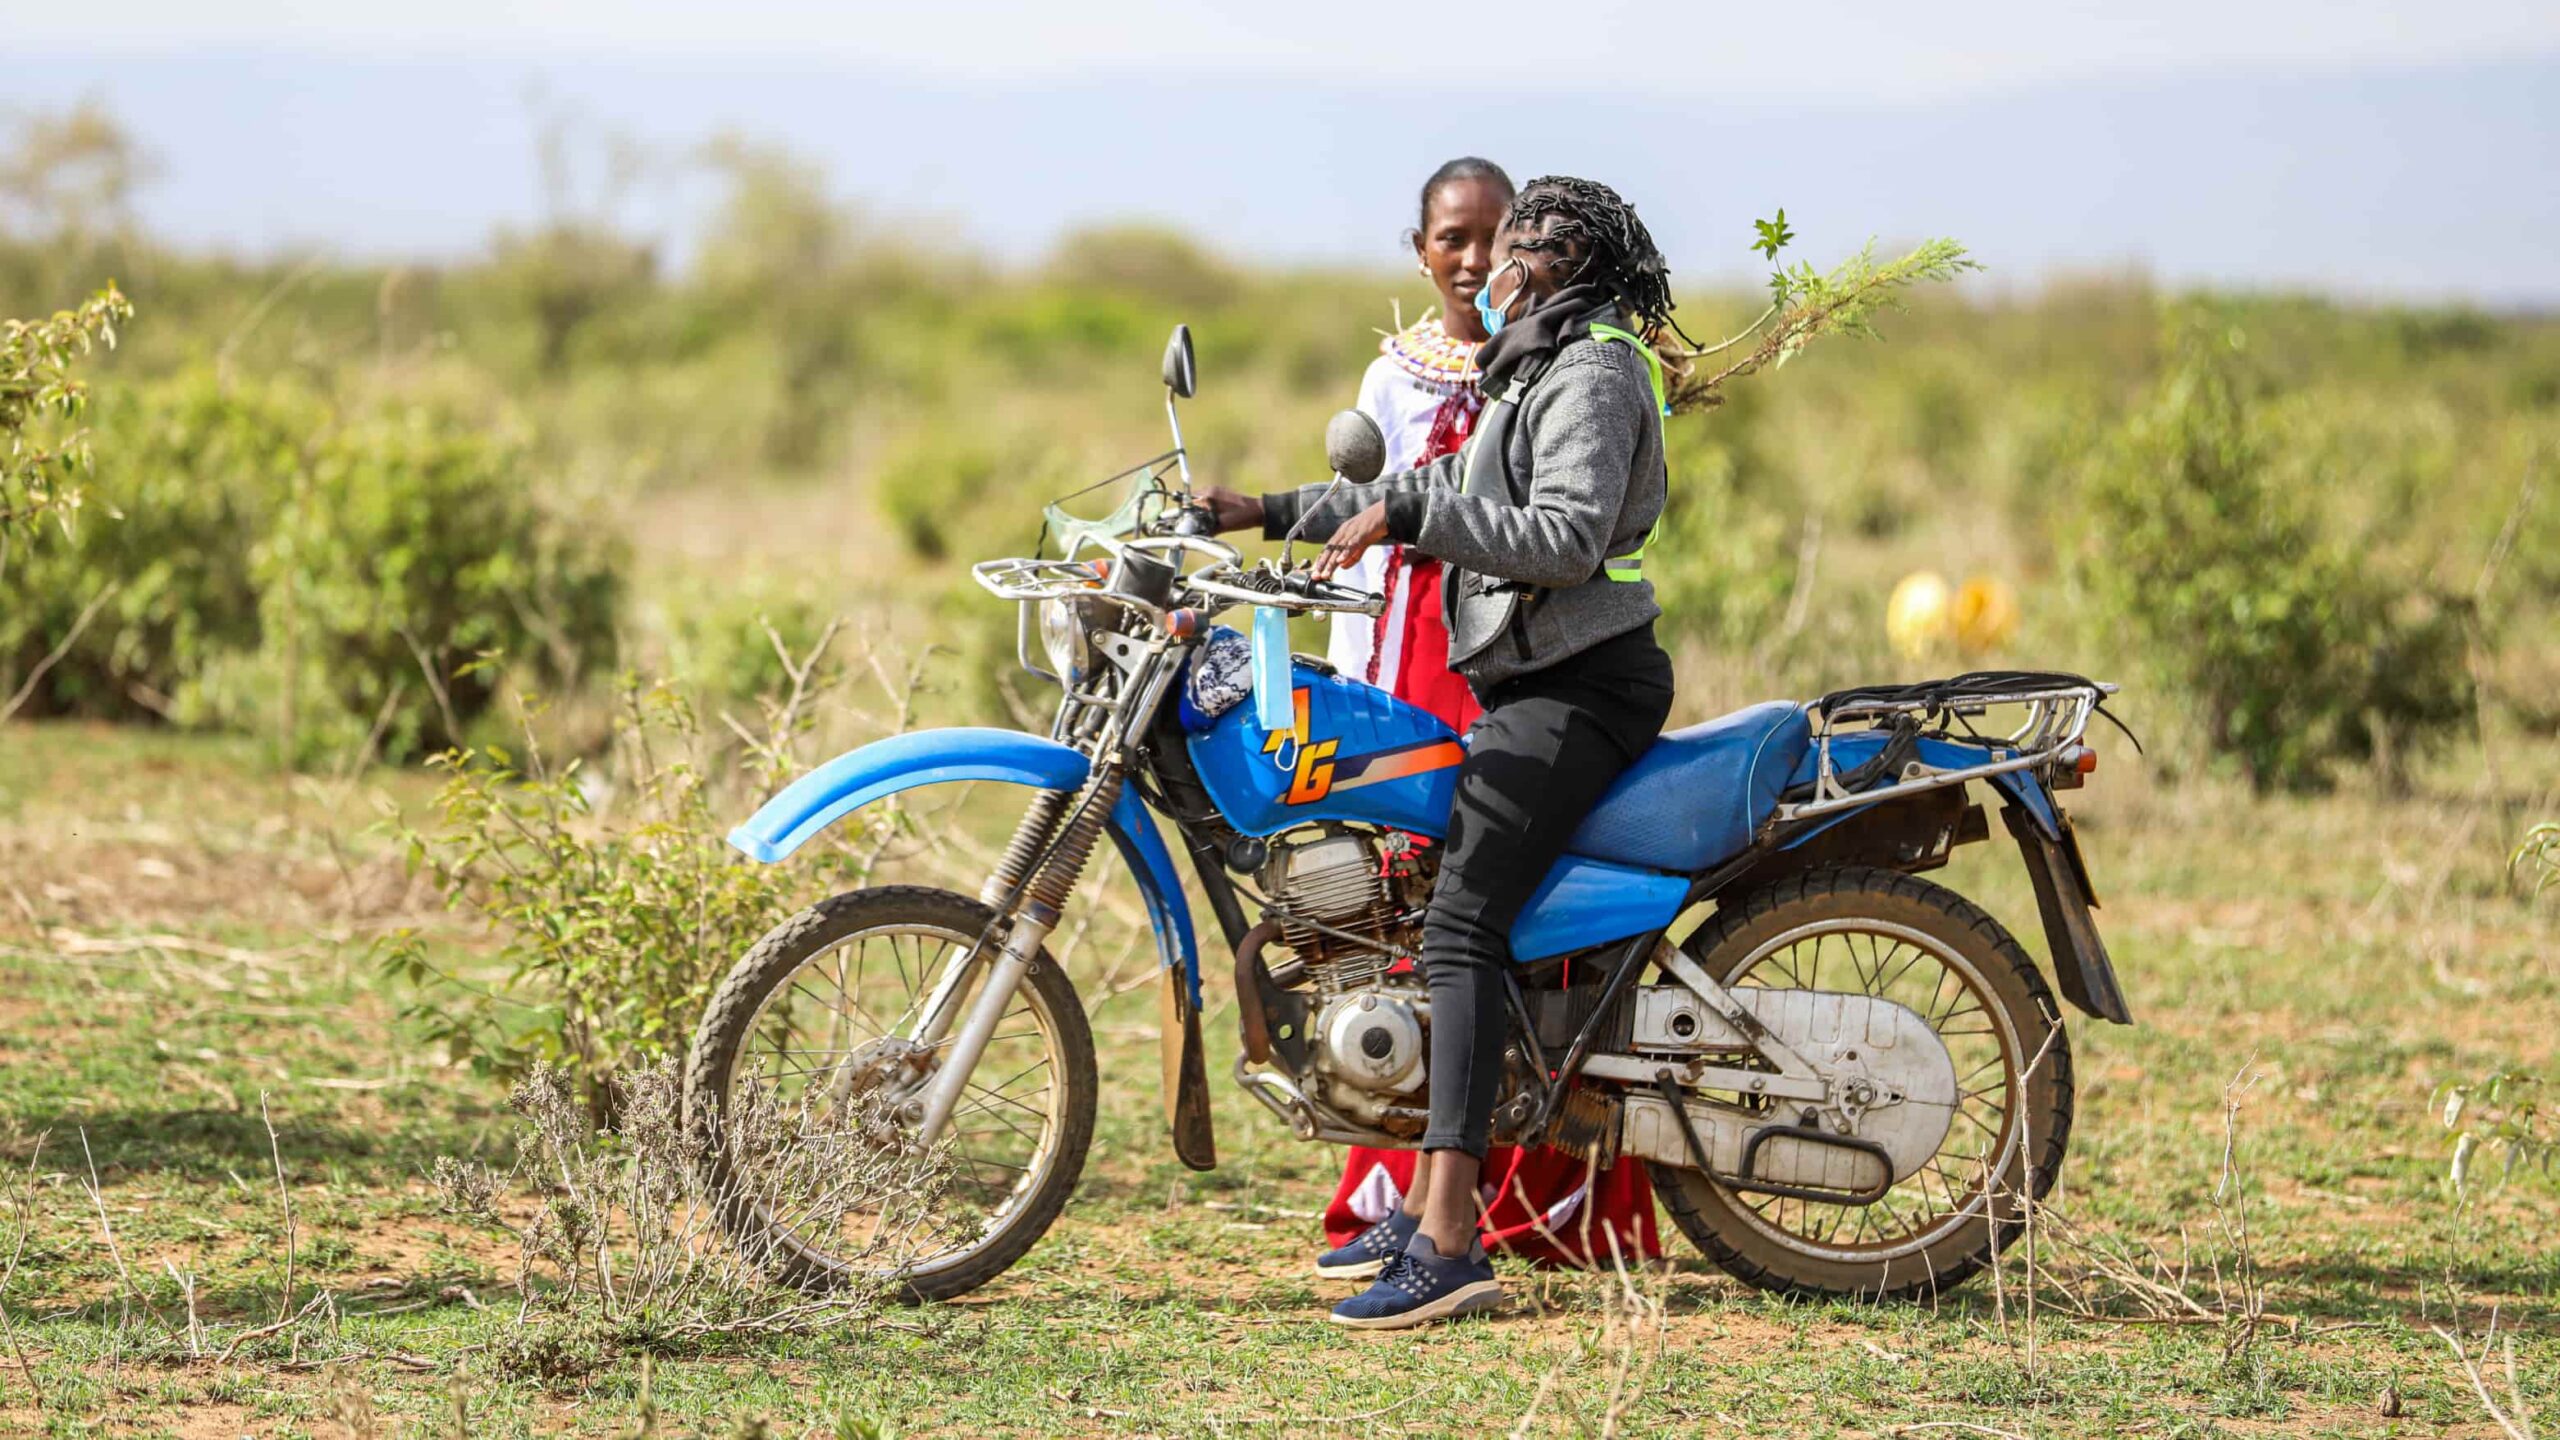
2072,767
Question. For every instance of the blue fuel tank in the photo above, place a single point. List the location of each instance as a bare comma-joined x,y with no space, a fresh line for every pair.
1354,753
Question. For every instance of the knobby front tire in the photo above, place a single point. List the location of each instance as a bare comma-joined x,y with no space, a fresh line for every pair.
797,1017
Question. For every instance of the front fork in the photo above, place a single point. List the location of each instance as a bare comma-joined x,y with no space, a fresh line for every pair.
1030,886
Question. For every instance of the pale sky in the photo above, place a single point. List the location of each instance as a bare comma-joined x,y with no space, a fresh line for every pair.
2363,148
1803,50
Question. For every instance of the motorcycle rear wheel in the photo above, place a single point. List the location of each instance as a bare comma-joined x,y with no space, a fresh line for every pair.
800,1043
1950,1218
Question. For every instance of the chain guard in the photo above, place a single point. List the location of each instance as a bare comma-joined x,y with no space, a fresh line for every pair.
1892,1100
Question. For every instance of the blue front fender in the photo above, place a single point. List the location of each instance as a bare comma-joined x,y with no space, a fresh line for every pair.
932,757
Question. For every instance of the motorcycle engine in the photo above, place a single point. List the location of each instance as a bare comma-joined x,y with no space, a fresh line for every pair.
1347,904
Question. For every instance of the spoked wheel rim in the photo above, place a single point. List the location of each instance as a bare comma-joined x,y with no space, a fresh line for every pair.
1948,990
824,1049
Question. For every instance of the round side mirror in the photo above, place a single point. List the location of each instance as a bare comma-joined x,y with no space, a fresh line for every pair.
1181,373
1354,448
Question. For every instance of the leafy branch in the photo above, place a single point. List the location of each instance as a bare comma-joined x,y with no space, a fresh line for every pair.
1806,303
2538,856
2504,1115
41,474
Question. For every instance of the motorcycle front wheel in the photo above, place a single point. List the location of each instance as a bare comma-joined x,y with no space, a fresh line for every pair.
1887,934
797,1085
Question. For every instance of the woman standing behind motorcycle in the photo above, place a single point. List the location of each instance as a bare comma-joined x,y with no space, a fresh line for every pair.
1542,522
1546,1205
1422,392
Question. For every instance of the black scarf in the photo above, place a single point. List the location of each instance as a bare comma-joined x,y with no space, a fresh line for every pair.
1526,344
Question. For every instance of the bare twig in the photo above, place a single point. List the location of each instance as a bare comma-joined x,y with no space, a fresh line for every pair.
106,1227
436,688
186,1284
2512,1419
17,1248
2230,1203
284,1193
310,1308
240,329
53,657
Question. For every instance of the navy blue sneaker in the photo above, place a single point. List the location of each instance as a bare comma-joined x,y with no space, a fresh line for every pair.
1366,1253
1418,1286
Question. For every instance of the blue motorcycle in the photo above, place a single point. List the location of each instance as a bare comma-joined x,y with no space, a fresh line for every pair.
1845,1079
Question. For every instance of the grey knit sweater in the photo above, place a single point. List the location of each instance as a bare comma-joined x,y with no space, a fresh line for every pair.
1585,482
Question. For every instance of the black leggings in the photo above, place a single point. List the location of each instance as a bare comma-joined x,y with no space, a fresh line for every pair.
1548,746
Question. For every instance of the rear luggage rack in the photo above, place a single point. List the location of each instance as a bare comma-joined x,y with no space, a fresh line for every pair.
2058,705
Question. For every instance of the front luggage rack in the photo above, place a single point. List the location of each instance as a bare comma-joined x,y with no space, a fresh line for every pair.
2058,705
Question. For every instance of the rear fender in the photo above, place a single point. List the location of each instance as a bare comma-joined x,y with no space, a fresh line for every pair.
857,778
2083,970
2081,965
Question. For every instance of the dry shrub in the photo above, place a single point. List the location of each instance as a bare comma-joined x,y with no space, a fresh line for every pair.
2208,1277
623,1245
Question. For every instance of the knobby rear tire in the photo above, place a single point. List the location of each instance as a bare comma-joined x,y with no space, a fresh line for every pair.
729,1019
1713,1217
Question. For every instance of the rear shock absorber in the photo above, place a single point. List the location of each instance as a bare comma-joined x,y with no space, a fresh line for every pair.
1029,839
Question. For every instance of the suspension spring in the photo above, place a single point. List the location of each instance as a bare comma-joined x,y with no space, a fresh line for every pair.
1057,878
1029,839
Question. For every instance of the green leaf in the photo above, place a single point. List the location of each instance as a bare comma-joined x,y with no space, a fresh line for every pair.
1774,235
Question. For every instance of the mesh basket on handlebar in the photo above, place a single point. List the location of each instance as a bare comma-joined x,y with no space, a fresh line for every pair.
1220,679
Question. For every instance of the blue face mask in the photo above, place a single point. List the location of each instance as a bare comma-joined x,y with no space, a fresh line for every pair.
1485,310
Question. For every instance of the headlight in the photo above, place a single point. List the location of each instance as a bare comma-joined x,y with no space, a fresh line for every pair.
1062,635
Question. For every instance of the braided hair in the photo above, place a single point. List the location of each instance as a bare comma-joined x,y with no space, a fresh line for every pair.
1617,251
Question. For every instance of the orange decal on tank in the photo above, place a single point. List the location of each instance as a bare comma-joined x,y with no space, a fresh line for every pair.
1398,764
1316,772
1314,779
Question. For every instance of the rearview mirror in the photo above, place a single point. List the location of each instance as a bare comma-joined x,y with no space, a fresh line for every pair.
1181,375
1354,448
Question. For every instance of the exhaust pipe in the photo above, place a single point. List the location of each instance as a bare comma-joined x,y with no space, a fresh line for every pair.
1251,980
1282,1097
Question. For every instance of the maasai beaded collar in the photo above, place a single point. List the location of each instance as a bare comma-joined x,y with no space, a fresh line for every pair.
1426,352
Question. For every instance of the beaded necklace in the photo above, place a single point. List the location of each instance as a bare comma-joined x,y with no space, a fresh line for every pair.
1426,351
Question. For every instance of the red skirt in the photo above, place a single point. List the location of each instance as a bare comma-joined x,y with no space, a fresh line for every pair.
1541,1203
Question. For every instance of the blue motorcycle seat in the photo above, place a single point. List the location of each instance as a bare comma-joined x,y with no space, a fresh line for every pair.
1695,798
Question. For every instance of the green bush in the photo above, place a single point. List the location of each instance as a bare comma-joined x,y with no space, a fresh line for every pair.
2295,651
616,902
411,546
190,480
259,561
930,488
1723,563
716,639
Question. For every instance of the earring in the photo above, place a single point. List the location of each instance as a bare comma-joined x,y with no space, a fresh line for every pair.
1422,269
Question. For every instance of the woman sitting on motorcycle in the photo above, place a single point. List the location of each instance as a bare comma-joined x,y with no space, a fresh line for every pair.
1541,522
1547,1205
